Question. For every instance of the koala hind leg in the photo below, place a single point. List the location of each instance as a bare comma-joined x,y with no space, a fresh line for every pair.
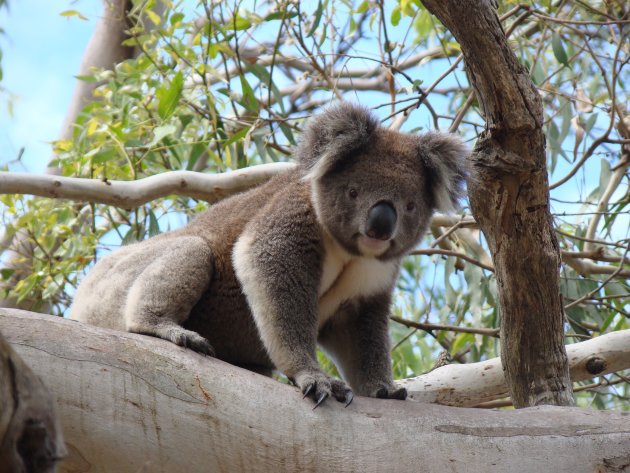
162,296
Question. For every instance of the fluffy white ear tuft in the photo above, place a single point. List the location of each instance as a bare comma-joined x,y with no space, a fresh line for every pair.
444,156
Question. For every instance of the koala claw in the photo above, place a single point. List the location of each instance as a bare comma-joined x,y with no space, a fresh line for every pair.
320,387
400,394
194,341
307,390
391,392
321,399
349,398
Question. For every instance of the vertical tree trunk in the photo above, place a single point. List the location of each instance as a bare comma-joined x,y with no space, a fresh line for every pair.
104,50
510,199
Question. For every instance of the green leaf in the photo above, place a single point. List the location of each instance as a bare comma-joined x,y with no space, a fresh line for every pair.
25,287
249,99
286,131
130,237
461,341
316,20
396,15
558,50
154,17
154,228
196,151
538,74
168,96
363,6
263,75
71,13
407,7
160,132
238,24
176,18
240,134
279,15
86,78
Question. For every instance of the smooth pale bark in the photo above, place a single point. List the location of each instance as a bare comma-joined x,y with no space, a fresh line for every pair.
509,198
132,403
474,383
30,435
131,194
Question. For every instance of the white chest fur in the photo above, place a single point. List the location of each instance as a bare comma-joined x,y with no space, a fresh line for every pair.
345,277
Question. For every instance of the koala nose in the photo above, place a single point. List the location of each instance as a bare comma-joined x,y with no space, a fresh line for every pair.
381,221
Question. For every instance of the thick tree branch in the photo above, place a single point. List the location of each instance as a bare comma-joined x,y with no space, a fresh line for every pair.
134,403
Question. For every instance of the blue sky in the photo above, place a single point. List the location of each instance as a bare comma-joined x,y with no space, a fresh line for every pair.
41,53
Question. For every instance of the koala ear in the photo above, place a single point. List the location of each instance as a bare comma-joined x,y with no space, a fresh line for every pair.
332,135
444,156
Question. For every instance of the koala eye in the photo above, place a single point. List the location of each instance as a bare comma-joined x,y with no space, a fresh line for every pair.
353,193
411,206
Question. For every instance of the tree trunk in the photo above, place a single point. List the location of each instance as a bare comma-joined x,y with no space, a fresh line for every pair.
509,198
133,403
104,50
30,436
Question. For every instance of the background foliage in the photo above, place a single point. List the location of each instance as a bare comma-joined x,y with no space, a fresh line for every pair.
217,85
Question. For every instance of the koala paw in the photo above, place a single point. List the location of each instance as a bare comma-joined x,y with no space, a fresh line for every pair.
320,386
187,339
390,392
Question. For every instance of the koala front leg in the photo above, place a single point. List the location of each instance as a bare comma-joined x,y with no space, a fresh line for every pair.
280,277
162,295
357,339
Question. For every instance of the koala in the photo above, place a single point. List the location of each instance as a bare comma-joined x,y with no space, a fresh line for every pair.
310,257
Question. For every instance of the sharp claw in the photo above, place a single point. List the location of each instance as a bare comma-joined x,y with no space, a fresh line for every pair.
321,399
307,391
349,398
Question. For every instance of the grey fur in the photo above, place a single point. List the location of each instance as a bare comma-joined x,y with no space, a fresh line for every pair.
260,278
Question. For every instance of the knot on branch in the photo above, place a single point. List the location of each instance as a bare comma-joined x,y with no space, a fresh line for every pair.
595,365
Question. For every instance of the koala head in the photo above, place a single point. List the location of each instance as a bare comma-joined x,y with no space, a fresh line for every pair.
374,190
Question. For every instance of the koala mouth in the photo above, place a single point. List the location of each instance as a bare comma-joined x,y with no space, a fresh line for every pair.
372,246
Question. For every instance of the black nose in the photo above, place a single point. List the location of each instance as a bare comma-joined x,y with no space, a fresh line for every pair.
381,221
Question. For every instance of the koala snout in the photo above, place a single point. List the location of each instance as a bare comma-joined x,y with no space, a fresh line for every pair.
381,221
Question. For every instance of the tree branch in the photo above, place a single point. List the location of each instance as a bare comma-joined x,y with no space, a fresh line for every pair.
154,404
130,194
473,383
